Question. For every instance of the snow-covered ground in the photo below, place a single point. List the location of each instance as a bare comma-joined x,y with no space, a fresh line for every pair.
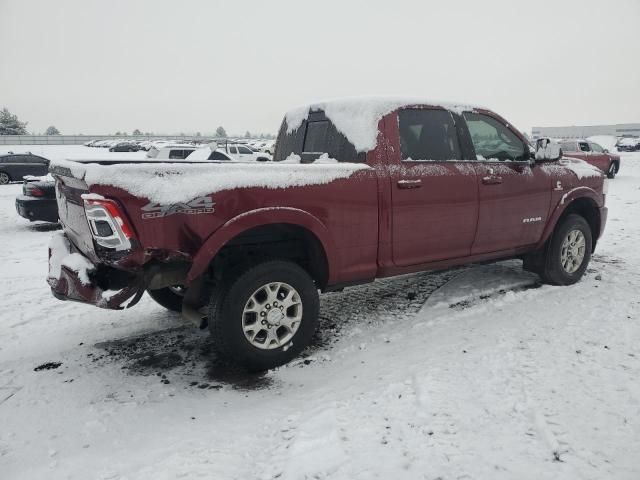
478,373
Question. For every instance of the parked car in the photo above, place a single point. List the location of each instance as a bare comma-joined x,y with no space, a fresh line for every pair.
170,152
243,153
594,154
268,147
38,200
403,186
14,166
124,147
628,144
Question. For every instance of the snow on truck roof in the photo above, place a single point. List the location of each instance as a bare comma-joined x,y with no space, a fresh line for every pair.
357,117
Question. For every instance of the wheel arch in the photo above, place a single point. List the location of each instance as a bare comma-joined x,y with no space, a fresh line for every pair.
582,201
270,232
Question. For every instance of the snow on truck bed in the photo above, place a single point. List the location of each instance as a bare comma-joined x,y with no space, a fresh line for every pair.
357,118
176,183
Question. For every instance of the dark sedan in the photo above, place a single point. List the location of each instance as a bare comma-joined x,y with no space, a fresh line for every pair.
14,166
38,201
125,147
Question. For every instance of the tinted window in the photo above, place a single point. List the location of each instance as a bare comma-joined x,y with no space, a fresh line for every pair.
315,140
596,148
428,135
568,146
244,150
233,150
493,140
584,146
336,145
218,156
176,154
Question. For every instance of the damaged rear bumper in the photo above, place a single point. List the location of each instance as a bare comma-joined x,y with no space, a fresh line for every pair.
72,276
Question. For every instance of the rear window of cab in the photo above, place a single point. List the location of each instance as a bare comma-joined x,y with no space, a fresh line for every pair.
315,137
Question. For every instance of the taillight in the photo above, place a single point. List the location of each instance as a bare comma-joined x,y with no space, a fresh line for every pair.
109,226
32,191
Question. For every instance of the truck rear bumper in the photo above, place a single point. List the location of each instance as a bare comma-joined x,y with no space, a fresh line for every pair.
73,277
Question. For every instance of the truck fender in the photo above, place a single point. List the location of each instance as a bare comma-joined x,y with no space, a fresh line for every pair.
567,199
257,218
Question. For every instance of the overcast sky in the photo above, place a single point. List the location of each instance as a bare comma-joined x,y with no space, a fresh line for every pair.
98,66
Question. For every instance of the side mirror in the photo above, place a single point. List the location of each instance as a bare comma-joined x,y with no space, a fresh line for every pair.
548,150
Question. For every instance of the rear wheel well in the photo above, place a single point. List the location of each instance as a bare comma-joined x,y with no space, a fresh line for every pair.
586,208
278,240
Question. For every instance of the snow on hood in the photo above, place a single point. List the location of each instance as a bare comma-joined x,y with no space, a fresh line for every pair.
581,168
179,183
357,118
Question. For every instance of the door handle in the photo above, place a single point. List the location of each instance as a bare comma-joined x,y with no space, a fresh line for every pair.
492,178
405,184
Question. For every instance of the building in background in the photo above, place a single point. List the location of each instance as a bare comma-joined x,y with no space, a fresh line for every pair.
618,130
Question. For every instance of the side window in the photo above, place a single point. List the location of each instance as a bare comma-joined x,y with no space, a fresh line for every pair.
568,147
233,150
244,150
428,135
218,156
494,141
596,148
584,146
176,154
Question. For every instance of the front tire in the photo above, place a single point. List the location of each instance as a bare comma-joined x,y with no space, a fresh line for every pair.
4,178
264,316
611,173
169,297
569,252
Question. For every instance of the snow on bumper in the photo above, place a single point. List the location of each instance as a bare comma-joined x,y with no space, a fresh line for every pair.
70,277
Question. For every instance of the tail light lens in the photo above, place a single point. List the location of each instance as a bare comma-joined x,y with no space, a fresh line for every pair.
32,191
109,226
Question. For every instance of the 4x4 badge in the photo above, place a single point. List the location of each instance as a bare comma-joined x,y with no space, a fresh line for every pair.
193,207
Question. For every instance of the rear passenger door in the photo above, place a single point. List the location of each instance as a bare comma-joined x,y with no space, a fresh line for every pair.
37,166
514,193
434,189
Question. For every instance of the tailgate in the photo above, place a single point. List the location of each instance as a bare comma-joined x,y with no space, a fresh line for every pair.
69,192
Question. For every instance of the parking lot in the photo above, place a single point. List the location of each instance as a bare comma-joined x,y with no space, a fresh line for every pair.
479,372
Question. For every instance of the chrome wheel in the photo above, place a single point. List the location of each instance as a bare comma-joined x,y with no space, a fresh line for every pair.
4,178
272,315
572,251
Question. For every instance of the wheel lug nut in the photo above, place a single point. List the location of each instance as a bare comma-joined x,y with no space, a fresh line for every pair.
262,314
268,307
275,304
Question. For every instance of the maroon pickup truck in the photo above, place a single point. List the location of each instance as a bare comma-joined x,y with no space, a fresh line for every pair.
593,154
359,189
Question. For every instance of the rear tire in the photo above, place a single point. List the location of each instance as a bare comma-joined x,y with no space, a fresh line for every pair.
4,178
611,173
168,297
569,252
265,315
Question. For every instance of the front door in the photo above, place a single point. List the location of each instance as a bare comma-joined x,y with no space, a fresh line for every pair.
434,191
514,194
599,158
